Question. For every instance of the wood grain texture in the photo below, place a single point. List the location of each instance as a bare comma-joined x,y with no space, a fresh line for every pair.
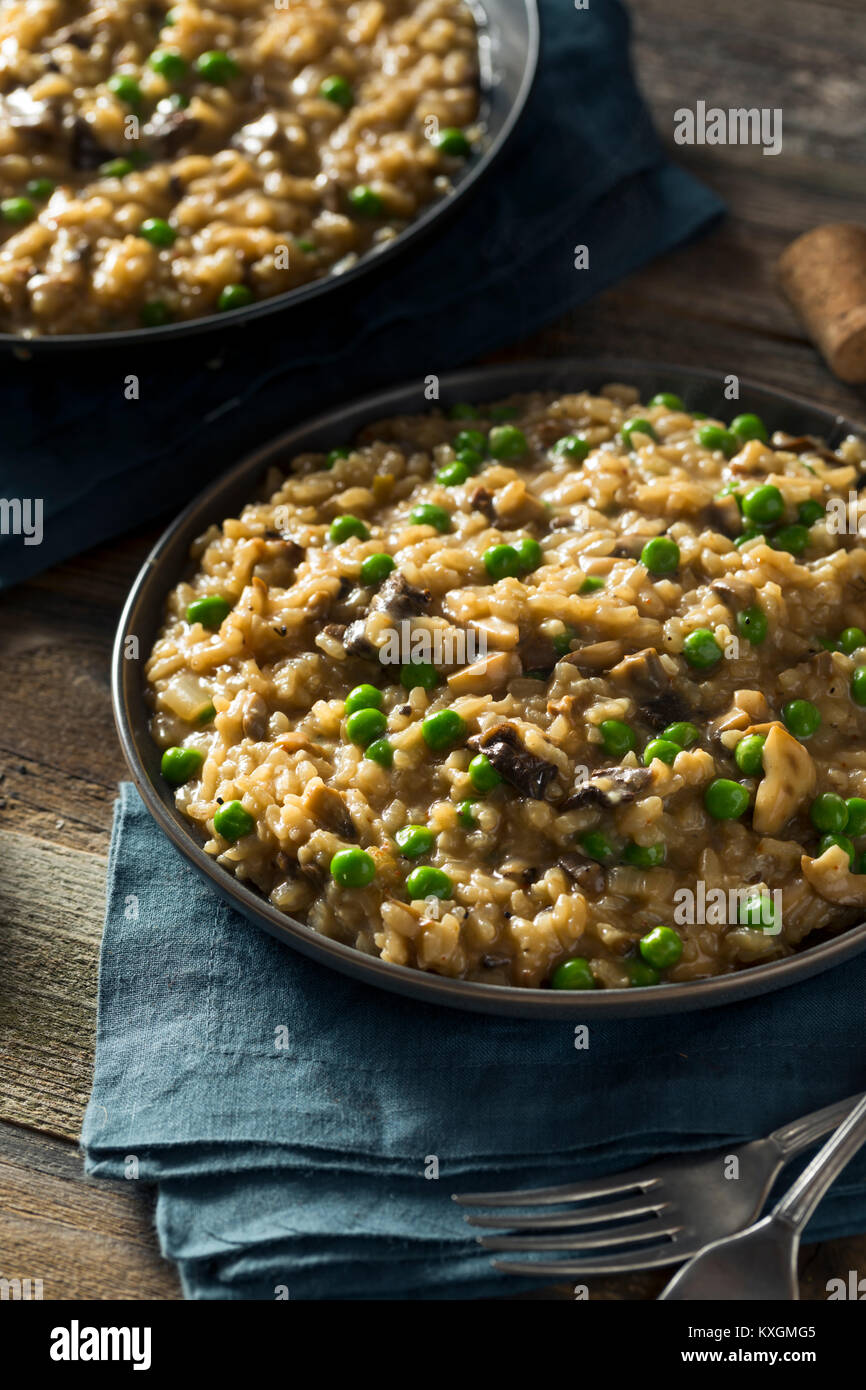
714,302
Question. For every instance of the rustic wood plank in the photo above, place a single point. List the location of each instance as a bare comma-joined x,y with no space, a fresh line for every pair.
83,1239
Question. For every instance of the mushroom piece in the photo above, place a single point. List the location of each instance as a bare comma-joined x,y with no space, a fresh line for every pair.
594,657
734,591
504,748
328,809
645,679
749,707
400,599
789,778
167,132
481,500
255,717
589,877
537,652
357,643
723,514
515,505
609,787
802,444
490,673
830,876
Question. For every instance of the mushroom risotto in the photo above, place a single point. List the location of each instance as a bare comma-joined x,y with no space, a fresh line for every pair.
562,690
162,164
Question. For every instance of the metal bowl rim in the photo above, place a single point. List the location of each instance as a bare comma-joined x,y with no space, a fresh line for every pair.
481,383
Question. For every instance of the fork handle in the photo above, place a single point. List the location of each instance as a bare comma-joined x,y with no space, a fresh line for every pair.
801,1134
803,1196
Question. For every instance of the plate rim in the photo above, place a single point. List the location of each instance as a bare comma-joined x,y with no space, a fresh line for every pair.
513,1000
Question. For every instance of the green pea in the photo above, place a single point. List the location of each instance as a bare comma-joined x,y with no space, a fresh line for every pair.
801,718
662,748
618,737
365,726
640,973
750,427
462,410
234,297
750,533
852,639
380,751
443,729
352,868
764,505
758,910
471,459
334,454
210,611
498,413
507,442
154,314
415,840
428,514
828,841
683,733
794,539
116,168
636,426
217,67
829,812
597,845
668,400
125,88
180,764
451,141
699,415
376,568
416,673
306,245
562,642
466,814
645,856
342,527
661,948
661,555
573,974
726,800
701,650
233,821
856,808
17,210
337,90
470,439
591,584
529,554
536,675
482,773
428,882
501,561
858,686
452,474
714,438
809,512
206,715
571,446
363,697
169,64
749,755
730,490
366,201
40,189
157,231
752,625
168,19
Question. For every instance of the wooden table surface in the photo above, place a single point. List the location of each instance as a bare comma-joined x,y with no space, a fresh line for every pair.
712,303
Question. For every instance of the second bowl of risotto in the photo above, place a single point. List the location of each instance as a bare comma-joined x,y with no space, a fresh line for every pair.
549,696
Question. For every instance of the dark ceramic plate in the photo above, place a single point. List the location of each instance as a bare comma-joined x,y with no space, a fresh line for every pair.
508,38
167,562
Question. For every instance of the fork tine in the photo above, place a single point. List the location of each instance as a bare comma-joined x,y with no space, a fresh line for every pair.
584,1240
628,1262
576,1216
567,1192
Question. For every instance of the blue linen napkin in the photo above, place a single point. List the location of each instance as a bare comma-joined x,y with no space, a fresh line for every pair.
584,167
291,1117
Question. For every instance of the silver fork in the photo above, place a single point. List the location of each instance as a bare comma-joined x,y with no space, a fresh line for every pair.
668,1210
760,1263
